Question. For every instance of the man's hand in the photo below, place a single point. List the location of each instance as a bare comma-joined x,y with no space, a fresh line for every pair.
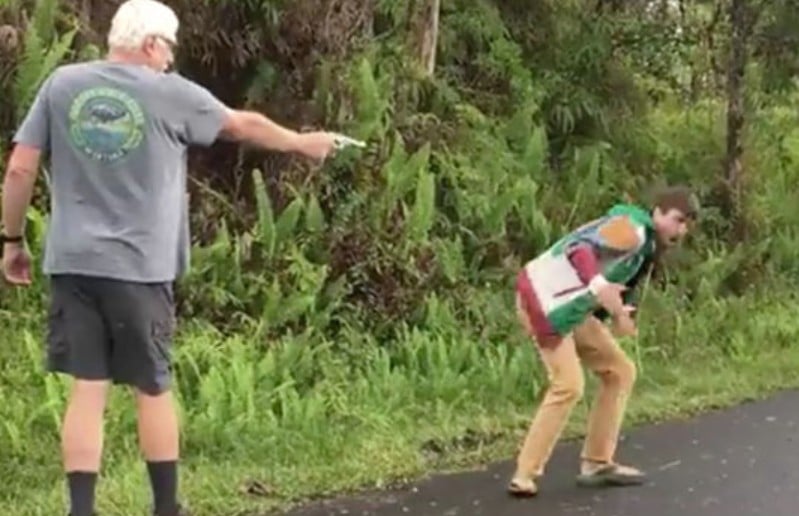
623,324
16,264
609,296
317,145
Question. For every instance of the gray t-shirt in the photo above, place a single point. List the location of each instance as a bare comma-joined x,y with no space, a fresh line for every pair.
117,136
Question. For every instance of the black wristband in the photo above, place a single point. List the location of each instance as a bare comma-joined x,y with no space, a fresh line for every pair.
10,239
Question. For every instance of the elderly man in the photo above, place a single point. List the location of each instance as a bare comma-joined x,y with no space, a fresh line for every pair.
116,131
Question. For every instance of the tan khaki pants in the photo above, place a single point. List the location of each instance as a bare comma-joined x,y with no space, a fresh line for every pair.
593,344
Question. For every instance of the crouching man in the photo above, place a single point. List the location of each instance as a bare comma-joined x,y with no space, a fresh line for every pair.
562,297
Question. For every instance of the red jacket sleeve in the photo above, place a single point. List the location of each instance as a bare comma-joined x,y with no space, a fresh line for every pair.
585,261
617,234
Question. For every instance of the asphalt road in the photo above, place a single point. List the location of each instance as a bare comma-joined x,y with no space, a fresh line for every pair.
737,462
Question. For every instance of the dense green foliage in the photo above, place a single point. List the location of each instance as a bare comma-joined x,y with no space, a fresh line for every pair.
356,318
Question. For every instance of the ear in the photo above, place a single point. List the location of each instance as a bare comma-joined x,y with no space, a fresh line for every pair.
148,44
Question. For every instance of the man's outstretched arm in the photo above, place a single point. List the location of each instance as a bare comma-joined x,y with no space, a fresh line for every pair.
256,129
206,119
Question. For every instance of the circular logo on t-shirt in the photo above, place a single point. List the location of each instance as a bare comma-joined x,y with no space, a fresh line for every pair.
106,123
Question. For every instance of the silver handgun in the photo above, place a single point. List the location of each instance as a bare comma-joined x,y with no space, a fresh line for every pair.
342,141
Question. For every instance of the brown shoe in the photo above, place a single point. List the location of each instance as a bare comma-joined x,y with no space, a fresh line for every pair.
523,487
607,475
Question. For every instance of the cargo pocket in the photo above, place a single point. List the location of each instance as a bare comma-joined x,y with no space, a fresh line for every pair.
162,328
161,333
56,336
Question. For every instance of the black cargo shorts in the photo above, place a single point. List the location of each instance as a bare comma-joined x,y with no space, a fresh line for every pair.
105,329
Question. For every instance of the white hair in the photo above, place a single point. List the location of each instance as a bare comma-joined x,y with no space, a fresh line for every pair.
135,20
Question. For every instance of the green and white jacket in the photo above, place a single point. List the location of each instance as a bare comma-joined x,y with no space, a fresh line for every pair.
558,287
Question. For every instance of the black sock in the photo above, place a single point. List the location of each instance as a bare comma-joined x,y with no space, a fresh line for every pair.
81,492
164,482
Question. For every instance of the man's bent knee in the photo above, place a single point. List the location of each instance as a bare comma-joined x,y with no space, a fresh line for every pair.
623,374
567,390
628,373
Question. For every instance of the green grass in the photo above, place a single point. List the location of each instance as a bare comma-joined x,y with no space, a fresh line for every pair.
304,418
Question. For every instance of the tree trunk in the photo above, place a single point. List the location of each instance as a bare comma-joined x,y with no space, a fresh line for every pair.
425,34
85,35
733,167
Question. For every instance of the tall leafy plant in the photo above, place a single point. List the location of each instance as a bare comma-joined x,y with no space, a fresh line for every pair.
43,50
